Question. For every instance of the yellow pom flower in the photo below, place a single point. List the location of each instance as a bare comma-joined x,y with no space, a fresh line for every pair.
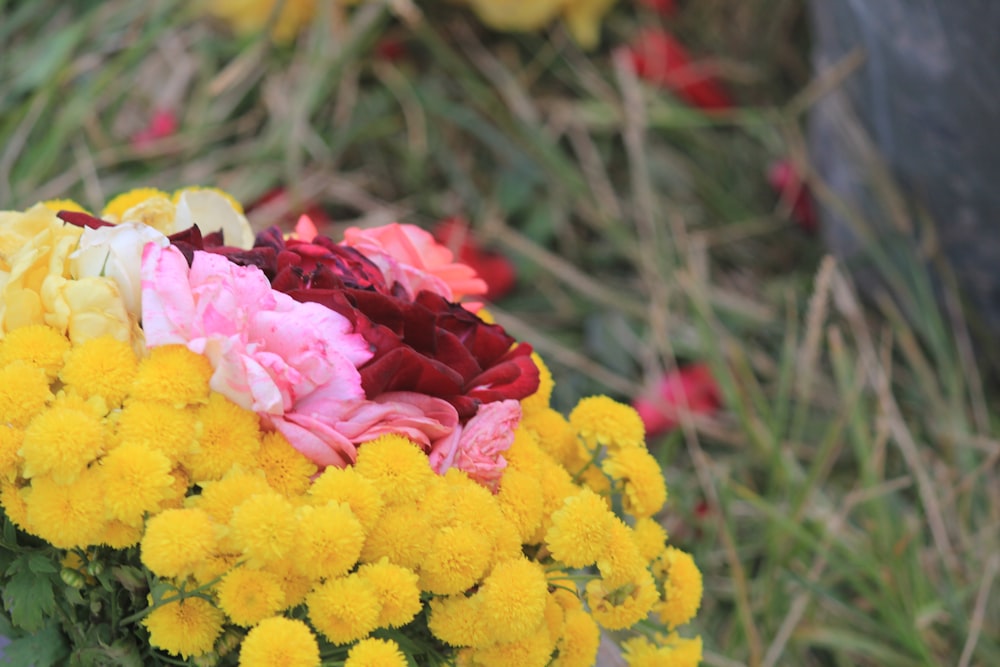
345,485
229,436
344,610
397,466
14,505
136,479
24,391
645,491
10,443
650,537
458,558
66,515
403,534
535,650
514,596
220,498
102,366
176,541
557,486
675,651
174,375
458,620
120,535
539,401
295,586
215,565
682,587
61,441
621,606
280,641
35,344
158,426
601,420
263,527
525,453
580,640
287,470
115,209
249,596
372,652
56,205
397,588
621,560
520,499
580,529
187,628
328,540
553,434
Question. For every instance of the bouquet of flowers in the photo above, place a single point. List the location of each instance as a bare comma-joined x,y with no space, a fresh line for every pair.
299,452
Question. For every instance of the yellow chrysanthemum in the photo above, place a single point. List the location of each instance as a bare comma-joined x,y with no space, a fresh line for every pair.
594,479
525,453
115,209
458,620
557,486
136,479
176,541
295,585
220,498
624,605
120,535
66,515
249,596
187,628
520,499
174,375
682,587
620,561
56,205
396,587
228,436
10,443
553,434
345,485
535,650
24,391
237,206
645,490
61,441
601,420
13,503
344,610
539,401
280,641
580,640
403,534
514,596
215,565
263,527
650,537
674,651
397,466
328,540
100,366
35,344
158,426
288,471
580,529
458,558
373,652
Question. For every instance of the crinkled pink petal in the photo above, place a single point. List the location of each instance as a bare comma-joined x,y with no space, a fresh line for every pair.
316,440
479,450
167,302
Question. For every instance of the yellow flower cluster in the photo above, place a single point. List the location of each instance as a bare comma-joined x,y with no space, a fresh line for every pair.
101,447
582,17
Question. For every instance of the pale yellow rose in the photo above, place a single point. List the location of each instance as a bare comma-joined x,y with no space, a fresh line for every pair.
86,308
17,227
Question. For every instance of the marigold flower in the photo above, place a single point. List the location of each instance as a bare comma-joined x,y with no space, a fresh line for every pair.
177,540
61,441
280,641
187,628
645,490
293,583
346,485
403,534
13,503
553,434
102,366
601,420
620,561
120,535
674,650
397,588
580,640
458,620
344,609
263,527
514,597
373,652
174,375
457,559
24,391
580,529
682,587
557,486
397,466
650,537
288,471
158,426
35,344
228,436
10,443
136,479
623,605
520,499
249,596
535,650
66,515
221,497
328,540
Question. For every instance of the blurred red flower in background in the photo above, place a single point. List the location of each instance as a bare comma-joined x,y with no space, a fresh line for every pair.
665,7
162,124
789,185
660,59
689,388
496,270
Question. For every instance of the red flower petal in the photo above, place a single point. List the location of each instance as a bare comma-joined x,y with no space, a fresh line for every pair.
692,388
660,59
788,184
496,270
665,7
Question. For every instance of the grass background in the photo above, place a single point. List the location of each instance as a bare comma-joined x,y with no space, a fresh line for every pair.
851,478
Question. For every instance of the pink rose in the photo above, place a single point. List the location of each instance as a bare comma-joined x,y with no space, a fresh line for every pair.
479,446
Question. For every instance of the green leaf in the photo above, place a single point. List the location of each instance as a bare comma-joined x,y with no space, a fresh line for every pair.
29,599
45,648
119,654
40,564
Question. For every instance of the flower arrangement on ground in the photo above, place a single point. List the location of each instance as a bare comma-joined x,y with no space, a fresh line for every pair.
301,452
